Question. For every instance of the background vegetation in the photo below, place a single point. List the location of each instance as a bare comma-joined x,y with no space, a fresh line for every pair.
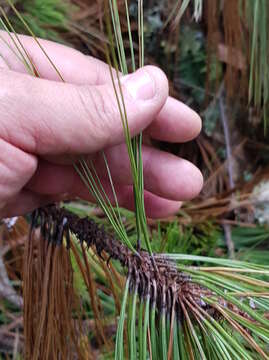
217,62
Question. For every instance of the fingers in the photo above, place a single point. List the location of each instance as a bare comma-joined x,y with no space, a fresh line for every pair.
25,202
45,117
16,169
176,122
67,180
165,175
49,118
155,206
75,67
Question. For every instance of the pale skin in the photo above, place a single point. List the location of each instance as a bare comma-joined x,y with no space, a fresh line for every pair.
46,124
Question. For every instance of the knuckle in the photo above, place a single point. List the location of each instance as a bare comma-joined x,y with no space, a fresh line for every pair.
99,112
29,165
16,169
15,109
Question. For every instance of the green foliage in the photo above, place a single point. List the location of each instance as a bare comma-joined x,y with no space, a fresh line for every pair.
258,19
173,238
211,117
46,18
251,243
192,63
249,237
79,283
232,290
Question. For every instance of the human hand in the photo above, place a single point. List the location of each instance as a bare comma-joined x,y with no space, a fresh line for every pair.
45,123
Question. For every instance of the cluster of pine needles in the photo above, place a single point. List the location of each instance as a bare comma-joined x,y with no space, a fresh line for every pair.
217,310
173,306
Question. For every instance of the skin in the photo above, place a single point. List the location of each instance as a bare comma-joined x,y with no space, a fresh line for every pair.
46,124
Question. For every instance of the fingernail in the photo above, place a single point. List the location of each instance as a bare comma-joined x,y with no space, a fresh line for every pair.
140,85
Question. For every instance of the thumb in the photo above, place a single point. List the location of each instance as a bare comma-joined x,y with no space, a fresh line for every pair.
50,118
145,93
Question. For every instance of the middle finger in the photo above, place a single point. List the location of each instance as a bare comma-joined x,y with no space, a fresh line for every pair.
165,175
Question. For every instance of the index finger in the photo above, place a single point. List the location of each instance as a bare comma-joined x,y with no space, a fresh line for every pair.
74,66
175,123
